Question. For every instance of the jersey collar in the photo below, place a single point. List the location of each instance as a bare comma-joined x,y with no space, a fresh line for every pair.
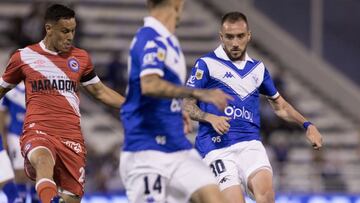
157,26
43,47
219,52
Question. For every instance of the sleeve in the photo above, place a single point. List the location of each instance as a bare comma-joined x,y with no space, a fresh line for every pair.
267,87
199,75
89,76
152,58
13,73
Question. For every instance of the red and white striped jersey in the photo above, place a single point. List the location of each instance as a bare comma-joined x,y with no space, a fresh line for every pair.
52,87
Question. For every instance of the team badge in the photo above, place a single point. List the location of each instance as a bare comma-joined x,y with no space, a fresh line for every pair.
161,54
199,74
73,64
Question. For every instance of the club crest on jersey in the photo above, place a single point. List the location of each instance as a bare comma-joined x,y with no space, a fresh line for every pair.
199,74
161,54
73,64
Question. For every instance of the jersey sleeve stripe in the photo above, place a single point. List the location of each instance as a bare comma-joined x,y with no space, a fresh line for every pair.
275,96
95,80
91,75
5,84
150,71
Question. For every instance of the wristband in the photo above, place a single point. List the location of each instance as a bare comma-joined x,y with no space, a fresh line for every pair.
306,124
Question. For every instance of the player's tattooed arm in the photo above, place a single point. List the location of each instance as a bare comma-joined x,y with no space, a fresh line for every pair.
219,123
193,110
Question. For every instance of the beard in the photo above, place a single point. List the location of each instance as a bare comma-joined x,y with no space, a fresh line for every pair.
235,57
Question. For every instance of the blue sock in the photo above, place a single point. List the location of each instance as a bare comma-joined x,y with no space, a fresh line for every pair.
21,187
10,191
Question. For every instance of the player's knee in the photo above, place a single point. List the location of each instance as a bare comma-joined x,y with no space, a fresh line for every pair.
265,197
42,158
208,194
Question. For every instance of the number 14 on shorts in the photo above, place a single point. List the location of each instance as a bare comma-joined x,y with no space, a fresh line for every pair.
154,188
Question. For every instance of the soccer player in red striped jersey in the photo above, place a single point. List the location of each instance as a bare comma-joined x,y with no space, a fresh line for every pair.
53,70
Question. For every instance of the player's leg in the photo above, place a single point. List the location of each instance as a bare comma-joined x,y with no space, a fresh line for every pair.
208,194
42,160
234,194
227,174
192,180
261,185
253,160
70,169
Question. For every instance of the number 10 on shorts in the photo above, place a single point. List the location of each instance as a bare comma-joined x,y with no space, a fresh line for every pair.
154,188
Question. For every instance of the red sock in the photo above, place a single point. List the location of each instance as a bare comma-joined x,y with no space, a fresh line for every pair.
46,190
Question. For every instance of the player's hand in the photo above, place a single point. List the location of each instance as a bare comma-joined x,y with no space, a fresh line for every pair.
213,96
314,137
219,123
187,123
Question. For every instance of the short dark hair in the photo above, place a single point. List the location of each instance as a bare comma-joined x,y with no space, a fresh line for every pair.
156,3
56,12
233,17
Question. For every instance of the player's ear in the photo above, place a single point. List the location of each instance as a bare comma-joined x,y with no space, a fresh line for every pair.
48,28
249,36
221,35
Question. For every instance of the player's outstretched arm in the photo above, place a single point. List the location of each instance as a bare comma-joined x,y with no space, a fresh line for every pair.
285,111
219,123
106,95
152,85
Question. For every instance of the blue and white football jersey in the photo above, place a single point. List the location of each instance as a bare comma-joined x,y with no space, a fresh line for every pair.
14,103
245,81
153,123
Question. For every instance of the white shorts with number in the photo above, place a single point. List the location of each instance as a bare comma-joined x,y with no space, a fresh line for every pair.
15,152
158,177
6,171
233,165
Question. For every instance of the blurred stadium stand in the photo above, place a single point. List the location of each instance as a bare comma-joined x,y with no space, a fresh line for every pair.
312,85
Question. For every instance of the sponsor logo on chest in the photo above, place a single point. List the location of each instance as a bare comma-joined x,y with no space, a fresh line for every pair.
56,84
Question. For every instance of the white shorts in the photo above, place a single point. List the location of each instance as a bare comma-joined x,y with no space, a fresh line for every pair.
158,177
15,151
6,171
235,164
